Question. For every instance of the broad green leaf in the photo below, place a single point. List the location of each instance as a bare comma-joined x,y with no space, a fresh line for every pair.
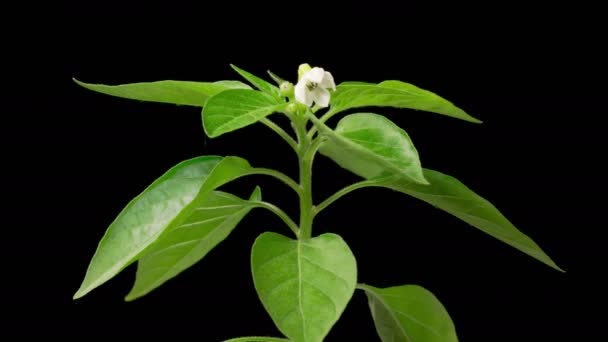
187,241
409,313
449,194
176,92
304,285
148,215
259,83
370,145
392,94
234,109
256,339
144,218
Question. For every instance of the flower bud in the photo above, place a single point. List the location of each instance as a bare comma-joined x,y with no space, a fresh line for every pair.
292,108
286,89
302,69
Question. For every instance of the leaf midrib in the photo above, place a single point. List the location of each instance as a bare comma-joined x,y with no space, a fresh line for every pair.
300,283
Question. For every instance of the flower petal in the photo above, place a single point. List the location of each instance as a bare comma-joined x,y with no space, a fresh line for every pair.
302,93
321,97
328,81
314,75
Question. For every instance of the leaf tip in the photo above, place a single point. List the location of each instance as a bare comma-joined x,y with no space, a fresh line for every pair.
80,83
471,118
131,297
79,294
554,266
419,178
423,181
275,78
257,194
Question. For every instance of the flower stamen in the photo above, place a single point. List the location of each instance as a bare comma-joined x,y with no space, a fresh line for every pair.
310,85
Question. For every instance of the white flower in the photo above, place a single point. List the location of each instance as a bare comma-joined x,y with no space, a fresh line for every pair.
313,86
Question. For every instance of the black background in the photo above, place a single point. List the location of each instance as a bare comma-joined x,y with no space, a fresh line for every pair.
78,157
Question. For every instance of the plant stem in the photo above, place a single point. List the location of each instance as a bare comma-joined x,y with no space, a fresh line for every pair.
280,176
305,156
280,213
306,208
322,119
342,192
281,133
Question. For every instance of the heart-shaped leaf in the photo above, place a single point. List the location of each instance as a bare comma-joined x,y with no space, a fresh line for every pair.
304,285
148,215
392,94
176,92
187,241
238,108
409,313
449,194
370,145
259,83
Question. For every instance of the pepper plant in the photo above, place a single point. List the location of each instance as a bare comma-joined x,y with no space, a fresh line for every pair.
303,281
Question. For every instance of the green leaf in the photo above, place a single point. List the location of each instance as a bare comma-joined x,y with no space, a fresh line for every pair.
177,92
187,241
392,94
234,109
144,218
449,194
278,80
256,339
229,169
370,145
259,83
304,285
148,215
409,313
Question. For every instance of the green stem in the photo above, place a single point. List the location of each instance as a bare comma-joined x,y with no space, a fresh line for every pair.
311,132
314,147
280,213
292,143
306,207
331,199
280,176
305,156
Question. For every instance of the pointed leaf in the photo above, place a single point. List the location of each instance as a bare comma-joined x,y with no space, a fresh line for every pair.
177,92
186,242
259,83
370,145
304,285
409,313
228,169
449,194
392,94
278,80
234,109
143,220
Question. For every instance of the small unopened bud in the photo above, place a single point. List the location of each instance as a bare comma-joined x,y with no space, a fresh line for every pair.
292,108
286,89
302,69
